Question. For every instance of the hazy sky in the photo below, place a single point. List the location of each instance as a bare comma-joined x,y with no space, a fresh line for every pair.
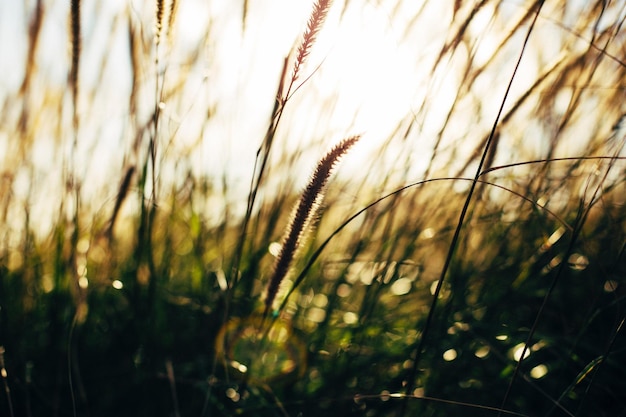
372,71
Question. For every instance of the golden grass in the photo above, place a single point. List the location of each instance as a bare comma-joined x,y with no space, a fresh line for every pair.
159,12
555,163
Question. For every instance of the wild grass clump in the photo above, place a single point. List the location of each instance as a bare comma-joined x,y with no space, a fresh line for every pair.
164,252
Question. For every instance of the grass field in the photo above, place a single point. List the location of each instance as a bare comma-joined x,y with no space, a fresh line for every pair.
374,208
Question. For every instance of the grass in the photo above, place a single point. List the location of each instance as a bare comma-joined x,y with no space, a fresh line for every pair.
468,255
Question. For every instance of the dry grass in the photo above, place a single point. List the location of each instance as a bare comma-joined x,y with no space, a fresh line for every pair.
314,25
304,217
76,47
481,216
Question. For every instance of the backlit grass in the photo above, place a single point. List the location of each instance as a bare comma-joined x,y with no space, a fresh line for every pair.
467,255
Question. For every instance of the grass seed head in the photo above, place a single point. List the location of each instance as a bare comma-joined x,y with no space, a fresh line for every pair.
302,220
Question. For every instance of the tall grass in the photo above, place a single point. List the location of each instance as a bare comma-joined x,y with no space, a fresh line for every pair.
468,256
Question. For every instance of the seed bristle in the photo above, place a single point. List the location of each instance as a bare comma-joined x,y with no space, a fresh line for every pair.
303,216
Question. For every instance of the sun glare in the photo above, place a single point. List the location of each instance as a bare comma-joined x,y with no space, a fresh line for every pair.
320,207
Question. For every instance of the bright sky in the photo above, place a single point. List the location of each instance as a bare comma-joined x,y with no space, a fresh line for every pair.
371,72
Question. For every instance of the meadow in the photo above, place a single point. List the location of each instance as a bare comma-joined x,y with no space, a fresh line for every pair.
339,208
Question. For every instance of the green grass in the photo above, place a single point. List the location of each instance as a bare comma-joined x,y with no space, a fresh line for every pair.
138,239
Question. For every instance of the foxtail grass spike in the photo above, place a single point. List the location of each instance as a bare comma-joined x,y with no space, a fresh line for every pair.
159,20
76,48
171,18
76,41
316,20
303,217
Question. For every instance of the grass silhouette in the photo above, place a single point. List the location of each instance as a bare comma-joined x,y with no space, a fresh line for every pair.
470,259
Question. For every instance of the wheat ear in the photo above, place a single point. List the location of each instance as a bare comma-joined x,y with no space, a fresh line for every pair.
303,216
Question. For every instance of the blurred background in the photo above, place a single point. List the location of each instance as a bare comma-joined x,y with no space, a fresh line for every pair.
133,260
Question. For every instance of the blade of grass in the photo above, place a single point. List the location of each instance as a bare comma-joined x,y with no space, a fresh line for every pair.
410,381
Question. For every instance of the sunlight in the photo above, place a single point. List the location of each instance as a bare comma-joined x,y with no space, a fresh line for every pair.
518,350
152,153
450,355
539,371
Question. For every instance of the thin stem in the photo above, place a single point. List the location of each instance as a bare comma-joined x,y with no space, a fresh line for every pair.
410,383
